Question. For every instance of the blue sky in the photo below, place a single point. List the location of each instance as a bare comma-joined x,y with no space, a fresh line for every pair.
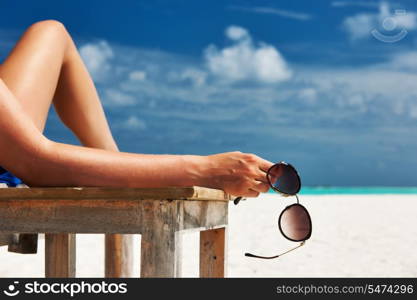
307,82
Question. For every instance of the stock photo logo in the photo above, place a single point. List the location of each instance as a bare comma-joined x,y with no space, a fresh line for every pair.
65,288
12,290
392,31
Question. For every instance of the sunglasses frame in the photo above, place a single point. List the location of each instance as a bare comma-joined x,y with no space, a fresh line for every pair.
302,241
309,219
293,169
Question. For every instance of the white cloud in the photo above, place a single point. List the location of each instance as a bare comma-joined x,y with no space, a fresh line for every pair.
97,57
236,33
275,11
358,101
402,18
386,90
162,80
137,75
404,60
308,94
115,97
197,77
246,61
360,25
380,90
134,123
413,112
355,3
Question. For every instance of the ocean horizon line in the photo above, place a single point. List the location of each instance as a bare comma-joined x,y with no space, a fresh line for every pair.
356,190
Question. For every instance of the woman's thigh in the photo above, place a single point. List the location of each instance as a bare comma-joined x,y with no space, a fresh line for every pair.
31,71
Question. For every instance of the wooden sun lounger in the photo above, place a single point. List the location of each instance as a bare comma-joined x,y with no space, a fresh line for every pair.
159,215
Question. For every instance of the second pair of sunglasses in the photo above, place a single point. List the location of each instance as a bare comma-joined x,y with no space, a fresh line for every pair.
294,222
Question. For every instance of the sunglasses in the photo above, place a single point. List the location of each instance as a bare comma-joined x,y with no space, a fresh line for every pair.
294,222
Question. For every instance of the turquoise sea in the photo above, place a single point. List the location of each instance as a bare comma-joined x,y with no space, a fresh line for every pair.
320,190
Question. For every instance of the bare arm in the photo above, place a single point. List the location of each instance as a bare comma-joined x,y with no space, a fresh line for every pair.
41,162
74,165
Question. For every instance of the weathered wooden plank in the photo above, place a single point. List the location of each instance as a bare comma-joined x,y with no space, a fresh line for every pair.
100,216
212,253
158,214
6,238
118,255
21,242
160,247
66,216
59,255
204,215
85,193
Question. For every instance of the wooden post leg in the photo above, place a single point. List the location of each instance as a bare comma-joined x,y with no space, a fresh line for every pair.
160,254
161,243
59,255
118,255
212,253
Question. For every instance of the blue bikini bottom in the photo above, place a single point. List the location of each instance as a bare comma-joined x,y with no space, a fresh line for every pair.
8,178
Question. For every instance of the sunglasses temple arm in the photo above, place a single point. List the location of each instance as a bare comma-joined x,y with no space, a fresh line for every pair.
237,200
276,256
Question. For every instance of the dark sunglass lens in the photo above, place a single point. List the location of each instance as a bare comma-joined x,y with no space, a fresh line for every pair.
284,178
295,223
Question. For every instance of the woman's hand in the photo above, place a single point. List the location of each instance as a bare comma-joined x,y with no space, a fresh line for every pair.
237,173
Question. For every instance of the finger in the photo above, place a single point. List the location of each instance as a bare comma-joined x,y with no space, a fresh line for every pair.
273,179
260,187
275,173
261,176
264,164
251,193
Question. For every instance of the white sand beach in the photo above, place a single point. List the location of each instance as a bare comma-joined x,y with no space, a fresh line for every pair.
353,236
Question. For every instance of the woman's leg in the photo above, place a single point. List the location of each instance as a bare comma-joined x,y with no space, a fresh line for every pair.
45,67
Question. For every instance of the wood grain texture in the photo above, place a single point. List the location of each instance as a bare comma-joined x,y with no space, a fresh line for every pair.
160,215
85,193
60,255
118,255
101,216
203,215
159,257
6,238
23,243
159,245
212,253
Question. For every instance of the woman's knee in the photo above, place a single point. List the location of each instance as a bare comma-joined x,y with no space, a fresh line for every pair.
50,27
